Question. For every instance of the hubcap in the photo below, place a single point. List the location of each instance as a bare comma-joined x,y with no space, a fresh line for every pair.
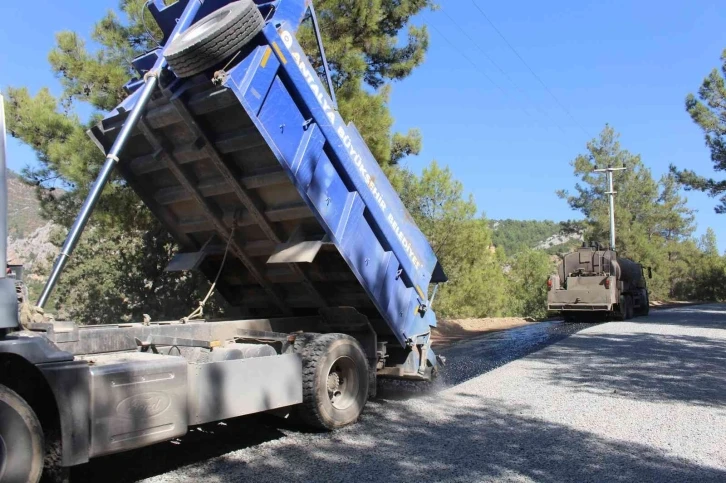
206,24
342,383
333,381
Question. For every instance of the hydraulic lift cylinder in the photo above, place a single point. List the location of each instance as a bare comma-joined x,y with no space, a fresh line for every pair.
150,82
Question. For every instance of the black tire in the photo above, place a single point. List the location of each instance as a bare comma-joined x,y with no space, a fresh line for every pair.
644,309
335,381
622,313
214,38
21,440
628,307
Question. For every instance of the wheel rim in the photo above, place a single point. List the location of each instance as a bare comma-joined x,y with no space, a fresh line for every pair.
206,25
342,383
17,460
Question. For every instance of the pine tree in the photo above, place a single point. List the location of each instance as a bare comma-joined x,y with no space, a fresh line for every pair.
710,277
709,112
362,43
652,219
527,283
461,240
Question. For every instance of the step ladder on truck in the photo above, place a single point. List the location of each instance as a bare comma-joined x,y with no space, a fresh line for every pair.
232,141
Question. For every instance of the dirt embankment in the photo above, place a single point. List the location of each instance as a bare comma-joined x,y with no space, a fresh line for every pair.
451,331
672,304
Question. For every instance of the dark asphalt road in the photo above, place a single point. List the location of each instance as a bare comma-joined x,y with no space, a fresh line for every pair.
474,357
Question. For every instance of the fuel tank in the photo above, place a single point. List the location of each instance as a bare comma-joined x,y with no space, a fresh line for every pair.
597,260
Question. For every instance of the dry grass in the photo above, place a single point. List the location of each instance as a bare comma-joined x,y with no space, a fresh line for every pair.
450,331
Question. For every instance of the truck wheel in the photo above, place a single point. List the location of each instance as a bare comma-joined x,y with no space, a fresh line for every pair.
21,440
335,381
646,308
622,312
214,38
628,308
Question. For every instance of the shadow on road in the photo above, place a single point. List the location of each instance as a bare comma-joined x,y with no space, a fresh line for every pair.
644,366
684,363
471,440
708,316
199,444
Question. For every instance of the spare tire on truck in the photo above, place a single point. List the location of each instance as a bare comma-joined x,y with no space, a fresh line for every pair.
214,38
335,381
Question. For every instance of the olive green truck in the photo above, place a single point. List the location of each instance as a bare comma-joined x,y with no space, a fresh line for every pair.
594,281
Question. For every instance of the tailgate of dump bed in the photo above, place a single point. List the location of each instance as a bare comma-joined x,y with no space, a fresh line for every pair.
264,161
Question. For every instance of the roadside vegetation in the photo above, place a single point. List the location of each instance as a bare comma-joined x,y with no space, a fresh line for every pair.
517,235
495,268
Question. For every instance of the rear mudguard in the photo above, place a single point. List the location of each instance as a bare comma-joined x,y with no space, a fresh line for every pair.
68,380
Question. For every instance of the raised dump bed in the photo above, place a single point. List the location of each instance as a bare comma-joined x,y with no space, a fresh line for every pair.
258,156
246,162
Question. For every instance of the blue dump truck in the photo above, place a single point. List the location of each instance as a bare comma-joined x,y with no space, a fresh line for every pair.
233,142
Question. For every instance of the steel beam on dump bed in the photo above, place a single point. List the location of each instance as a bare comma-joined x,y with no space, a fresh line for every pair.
160,212
211,152
250,204
220,227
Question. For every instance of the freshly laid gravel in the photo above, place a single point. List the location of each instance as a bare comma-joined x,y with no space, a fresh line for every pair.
624,401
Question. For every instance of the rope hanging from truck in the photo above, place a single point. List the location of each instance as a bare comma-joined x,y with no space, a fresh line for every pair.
199,311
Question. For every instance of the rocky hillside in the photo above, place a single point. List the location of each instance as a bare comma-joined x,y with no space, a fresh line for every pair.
558,241
28,233
23,208
513,236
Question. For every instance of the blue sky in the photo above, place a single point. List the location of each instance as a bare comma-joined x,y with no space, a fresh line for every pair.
623,62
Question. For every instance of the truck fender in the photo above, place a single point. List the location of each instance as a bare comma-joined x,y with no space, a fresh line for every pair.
70,383
33,347
67,380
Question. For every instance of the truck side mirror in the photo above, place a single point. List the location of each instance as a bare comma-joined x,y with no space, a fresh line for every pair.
650,272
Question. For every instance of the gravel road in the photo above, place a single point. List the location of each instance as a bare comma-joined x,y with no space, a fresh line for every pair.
643,400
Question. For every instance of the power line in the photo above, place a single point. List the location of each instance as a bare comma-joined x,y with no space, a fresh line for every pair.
476,66
562,106
503,72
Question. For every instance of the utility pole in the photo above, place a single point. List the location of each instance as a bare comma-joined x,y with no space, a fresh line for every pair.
611,195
